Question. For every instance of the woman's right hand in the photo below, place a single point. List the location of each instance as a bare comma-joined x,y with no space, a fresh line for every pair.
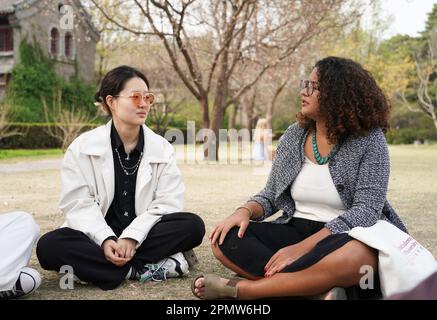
240,218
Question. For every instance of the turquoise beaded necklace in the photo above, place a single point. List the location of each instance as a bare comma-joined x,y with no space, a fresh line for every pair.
320,160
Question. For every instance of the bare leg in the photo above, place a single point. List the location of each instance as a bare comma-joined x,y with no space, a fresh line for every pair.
340,268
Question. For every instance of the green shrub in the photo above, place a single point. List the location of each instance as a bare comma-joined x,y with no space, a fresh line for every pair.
26,153
76,93
34,80
410,135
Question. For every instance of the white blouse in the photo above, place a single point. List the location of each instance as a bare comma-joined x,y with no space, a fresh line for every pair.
315,195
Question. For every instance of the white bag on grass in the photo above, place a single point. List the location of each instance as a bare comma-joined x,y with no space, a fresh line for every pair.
403,262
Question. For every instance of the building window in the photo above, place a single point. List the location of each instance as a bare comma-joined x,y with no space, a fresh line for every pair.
6,40
54,41
69,45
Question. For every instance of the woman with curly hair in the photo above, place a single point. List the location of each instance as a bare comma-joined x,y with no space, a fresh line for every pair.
330,175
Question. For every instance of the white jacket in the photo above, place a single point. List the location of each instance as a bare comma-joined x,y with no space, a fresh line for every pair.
87,185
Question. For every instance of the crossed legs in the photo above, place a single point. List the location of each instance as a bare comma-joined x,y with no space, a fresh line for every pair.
340,268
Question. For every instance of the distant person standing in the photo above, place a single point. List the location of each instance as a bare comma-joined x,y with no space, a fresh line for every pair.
18,234
262,141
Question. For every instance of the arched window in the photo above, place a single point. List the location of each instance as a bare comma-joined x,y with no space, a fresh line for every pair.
68,45
54,41
6,42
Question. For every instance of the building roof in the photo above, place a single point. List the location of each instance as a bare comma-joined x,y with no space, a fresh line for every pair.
7,6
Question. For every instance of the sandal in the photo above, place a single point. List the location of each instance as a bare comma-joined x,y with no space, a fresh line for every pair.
215,288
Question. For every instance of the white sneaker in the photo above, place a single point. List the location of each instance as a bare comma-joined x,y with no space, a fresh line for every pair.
28,281
176,265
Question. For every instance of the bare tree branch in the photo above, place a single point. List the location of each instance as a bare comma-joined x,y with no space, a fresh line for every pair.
6,114
68,124
118,24
231,33
426,104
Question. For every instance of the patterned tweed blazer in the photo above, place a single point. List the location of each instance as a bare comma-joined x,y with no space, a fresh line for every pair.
359,168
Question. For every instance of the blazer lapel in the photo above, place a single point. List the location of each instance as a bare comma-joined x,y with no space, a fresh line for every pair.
290,161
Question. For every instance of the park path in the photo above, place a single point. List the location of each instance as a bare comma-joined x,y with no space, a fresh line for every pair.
31,165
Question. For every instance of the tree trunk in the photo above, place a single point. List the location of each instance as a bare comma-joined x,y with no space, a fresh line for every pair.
233,116
271,105
249,107
100,71
218,113
204,108
216,124
219,105
205,122
250,124
269,114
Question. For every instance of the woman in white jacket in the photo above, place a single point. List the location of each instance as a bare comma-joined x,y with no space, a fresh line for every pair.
122,195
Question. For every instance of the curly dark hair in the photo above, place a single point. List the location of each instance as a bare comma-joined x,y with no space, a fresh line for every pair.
350,100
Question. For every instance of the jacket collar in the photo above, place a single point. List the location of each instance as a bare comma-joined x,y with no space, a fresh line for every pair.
117,143
98,143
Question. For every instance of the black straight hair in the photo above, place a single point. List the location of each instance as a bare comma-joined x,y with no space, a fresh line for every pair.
114,81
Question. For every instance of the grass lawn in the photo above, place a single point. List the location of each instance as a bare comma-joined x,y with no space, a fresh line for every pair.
213,191
24,154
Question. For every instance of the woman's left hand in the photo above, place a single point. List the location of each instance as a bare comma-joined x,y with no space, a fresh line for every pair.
284,257
126,248
287,255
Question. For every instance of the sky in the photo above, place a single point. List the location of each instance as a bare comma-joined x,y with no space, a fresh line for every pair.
409,16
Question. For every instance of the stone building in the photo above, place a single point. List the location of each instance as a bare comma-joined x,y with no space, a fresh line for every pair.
62,28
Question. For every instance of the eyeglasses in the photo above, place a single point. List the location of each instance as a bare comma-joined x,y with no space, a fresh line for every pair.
137,97
309,85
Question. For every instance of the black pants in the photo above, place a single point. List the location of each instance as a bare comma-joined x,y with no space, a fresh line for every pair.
262,240
176,232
